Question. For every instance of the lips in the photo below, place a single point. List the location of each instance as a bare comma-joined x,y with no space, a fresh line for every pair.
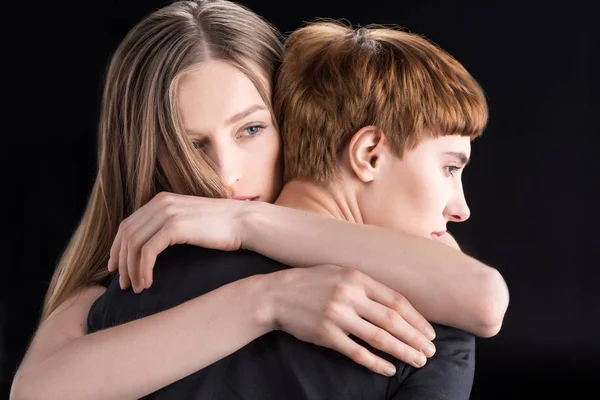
437,234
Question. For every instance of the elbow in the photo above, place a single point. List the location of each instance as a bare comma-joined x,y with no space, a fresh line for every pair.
25,388
18,389
491,308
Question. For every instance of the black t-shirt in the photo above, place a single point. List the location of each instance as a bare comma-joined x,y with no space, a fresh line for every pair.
277,365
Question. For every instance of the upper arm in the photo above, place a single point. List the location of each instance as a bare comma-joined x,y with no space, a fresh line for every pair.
449,374
67,322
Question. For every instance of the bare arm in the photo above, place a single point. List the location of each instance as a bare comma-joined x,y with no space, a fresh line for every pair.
139,357
125,362
445,285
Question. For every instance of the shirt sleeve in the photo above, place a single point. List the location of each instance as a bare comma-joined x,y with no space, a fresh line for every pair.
448,375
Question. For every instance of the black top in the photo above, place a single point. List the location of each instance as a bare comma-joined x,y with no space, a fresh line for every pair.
277,365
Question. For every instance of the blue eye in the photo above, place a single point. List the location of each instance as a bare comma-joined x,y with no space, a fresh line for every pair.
253,130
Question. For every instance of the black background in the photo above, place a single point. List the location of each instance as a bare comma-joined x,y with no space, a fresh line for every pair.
531,185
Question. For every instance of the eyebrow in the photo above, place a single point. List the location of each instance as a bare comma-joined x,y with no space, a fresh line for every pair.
243,114
234,118
462,157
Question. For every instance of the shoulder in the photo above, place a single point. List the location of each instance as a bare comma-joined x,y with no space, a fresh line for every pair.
448,375
184,258
69,318
80,301
181,273
66,323
451,340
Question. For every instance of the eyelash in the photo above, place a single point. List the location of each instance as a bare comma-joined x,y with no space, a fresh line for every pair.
451,169
259,126
199,145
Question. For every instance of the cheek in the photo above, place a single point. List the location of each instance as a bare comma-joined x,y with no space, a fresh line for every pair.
268,164
420,203
273,155
387,203
262,154
434,197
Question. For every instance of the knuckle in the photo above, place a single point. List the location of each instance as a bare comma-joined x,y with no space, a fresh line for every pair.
126,234
165,200
169,208
147,250
123,224
391,315
342,293
361,356
400,303
378,339
162,196
134,241
332,312
353,276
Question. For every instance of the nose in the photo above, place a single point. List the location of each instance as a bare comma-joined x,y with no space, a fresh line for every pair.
457,210
229,165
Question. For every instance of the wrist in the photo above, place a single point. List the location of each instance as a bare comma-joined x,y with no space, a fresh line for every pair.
251,223
263,309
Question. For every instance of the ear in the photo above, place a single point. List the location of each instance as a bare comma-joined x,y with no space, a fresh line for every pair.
366,151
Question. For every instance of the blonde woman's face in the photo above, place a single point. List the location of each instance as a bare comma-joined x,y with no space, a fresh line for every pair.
225,117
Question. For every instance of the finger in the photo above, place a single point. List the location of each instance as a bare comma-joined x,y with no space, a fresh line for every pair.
140,217
150,250
124,280
390,321
359,354
115,249
382,340
132,266
382,294
134,250
143,224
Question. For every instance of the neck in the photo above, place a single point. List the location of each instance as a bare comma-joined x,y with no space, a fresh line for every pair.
331,199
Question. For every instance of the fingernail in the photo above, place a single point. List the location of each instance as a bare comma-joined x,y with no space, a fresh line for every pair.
108,264
420,359
144,284
121,283
428,349
429,333
389,371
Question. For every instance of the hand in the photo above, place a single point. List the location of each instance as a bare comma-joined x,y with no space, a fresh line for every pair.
170,219
324,304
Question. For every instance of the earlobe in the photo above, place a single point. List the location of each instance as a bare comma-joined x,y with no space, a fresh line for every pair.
365,152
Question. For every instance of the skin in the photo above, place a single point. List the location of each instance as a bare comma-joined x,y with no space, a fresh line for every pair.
417,194
226,118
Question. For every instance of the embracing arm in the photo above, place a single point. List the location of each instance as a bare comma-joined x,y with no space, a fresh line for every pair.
134,359
320,305
445,285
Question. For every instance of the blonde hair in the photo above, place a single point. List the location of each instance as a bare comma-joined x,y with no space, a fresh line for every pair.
142,148
336,79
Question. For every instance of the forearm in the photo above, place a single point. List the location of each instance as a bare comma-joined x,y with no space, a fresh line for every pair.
443,284
131,360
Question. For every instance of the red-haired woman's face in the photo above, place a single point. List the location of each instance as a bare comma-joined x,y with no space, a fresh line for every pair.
422,191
